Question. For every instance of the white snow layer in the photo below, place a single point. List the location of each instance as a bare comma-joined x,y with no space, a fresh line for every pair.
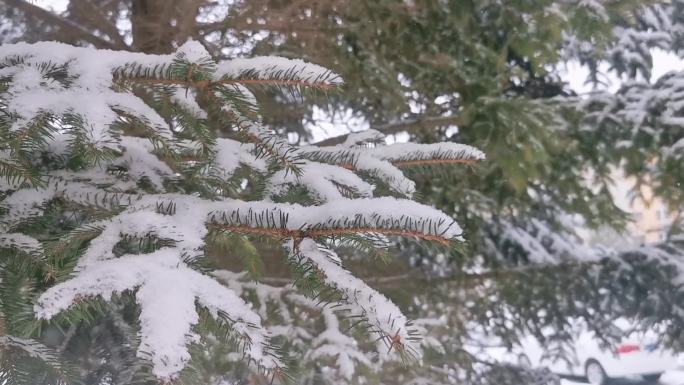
90,95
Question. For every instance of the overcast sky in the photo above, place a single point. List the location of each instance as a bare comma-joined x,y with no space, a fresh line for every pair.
576,75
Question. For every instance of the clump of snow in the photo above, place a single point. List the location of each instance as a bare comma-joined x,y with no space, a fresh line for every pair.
363,137
193,51
230,154
322,180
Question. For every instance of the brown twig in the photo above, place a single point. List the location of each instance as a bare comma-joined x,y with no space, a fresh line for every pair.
67,26
283,233
424,162
209,84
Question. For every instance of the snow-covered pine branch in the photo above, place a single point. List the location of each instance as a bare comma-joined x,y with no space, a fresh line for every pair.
383,316
48,360
360,153
330,344
268,70
635,33
164,167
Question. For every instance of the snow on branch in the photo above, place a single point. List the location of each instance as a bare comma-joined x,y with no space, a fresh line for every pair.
322,180
166,286
639,109
182,219
648,107
331,343
57,79
166,292
30,203
414,154
360,161
383,316
271,146
21,242
278,71
60,79
363,138
385,216
33,349
128,172
384,162
543,244
230,154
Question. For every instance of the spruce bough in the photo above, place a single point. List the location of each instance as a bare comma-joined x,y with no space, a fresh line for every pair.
121,170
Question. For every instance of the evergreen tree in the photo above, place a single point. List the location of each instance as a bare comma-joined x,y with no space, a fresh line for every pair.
485,73
120,200
478,72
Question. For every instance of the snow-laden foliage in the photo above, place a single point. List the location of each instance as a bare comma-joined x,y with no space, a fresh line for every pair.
148,158
332,344
632,35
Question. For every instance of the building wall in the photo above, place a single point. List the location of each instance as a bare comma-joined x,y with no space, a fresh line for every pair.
651,217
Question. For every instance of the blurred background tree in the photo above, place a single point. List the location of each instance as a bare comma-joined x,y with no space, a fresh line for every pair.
484,73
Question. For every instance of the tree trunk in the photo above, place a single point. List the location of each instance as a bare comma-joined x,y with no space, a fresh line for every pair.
151,23
159,26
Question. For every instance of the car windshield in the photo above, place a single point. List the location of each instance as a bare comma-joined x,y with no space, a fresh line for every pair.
243,192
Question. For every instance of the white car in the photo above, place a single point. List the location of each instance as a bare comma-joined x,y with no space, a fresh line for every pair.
636,355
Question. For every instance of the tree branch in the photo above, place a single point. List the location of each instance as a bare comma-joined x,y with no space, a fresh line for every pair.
415,276
283,233
271,26
432,162
321,85
72,29
426,123
97,18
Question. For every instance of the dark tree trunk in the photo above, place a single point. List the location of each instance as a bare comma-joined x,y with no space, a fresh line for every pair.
159,26
151,24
